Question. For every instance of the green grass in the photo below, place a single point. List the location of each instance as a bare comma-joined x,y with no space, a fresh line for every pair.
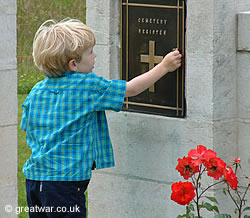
23,154
30,15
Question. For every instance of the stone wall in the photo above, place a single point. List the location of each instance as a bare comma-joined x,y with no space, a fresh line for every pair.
243,5
8,107
243,60
146,146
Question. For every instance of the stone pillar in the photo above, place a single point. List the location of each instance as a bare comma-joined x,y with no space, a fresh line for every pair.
243,57
147,146
104,18
8,108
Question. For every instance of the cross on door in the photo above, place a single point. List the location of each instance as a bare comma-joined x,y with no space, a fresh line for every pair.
151,59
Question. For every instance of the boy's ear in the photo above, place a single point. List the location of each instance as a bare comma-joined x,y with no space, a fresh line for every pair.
72,65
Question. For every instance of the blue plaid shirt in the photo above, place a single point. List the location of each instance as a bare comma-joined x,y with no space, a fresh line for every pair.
66,127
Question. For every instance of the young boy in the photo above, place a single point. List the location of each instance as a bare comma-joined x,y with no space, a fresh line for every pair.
64,117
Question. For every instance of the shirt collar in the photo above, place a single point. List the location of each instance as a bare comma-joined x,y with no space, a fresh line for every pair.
68,73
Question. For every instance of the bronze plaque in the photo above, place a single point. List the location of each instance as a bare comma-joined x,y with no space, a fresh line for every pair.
150,29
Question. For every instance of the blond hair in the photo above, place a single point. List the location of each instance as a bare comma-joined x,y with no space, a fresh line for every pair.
55,44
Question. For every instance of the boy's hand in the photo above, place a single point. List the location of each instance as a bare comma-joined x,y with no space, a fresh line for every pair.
171,61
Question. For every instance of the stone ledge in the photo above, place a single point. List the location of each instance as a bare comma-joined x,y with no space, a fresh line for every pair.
244,31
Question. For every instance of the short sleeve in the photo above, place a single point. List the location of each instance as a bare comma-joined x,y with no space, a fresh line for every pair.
24,120
107,94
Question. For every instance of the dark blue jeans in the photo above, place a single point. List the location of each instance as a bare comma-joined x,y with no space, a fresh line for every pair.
56,199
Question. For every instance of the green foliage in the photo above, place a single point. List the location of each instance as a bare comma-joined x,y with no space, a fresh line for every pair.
189,212
30,15
246,208
223,216
209,207
212,199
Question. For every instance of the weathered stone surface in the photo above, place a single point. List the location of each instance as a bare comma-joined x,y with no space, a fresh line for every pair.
101,22
8,96
8,7
7,40
244,92
243,85
244,31
244,128
8,201
243,5
136,197
199,95
103,59
8,160
106,28
8,108
148,146
225,139
224,86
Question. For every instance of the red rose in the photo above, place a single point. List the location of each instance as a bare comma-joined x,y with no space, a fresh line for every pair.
202,153
182,192
231,178
236,160
215,167
187,167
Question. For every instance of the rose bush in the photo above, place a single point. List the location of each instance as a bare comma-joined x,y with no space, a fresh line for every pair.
199,161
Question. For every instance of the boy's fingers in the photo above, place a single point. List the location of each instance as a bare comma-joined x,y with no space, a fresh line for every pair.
176,52
178,63
175,49
178,57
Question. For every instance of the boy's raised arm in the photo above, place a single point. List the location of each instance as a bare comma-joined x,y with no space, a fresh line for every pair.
170,63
